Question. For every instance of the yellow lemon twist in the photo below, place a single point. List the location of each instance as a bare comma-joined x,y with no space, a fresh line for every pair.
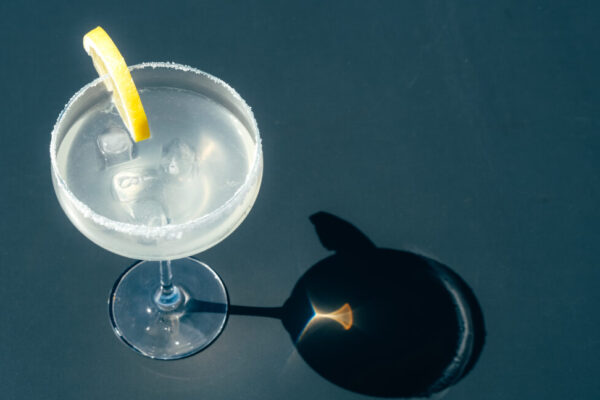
109,61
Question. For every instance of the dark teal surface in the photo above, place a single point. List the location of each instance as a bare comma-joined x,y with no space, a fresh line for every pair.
467,132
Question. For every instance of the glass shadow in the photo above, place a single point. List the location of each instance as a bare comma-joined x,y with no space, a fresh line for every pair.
375,321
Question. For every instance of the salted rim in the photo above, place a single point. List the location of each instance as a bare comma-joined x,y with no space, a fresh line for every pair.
170,231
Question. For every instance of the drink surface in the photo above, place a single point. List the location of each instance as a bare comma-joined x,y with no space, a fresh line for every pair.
198,156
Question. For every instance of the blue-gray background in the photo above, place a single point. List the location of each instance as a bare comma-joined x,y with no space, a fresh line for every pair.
466,131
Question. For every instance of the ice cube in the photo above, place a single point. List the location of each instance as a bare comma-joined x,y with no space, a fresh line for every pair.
178,161
148,212
116,146
136,183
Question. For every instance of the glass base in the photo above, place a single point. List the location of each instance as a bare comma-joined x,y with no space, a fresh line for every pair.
160,332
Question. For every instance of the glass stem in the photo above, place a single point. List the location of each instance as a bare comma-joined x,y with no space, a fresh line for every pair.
168,297
166,278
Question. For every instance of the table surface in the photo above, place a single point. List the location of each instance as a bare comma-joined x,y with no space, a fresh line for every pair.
465,132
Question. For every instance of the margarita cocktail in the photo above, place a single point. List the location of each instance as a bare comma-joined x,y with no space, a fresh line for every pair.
178,192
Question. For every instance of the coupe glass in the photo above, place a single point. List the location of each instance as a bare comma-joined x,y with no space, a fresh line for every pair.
160,200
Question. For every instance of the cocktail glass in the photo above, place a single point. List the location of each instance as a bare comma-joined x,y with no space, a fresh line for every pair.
160,200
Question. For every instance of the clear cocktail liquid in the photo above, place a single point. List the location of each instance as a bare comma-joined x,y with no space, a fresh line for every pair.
199,154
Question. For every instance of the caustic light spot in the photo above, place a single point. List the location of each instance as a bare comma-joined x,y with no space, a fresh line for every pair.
342,316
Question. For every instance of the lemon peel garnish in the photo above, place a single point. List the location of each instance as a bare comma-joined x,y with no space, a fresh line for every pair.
109,61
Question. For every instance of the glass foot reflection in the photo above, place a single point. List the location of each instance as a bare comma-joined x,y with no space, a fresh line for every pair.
168,333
